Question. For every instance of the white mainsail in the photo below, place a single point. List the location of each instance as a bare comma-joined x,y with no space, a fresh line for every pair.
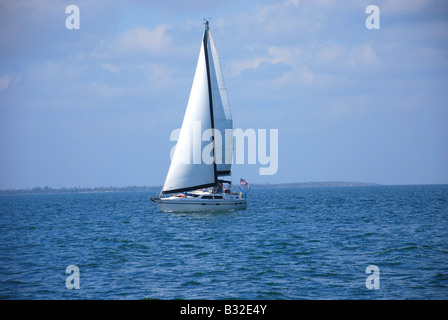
207,108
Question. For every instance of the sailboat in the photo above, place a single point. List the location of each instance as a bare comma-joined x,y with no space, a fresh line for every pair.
192,183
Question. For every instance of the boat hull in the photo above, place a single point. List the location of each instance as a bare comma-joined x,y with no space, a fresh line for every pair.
194,205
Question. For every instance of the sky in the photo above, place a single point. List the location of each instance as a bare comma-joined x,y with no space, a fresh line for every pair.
95,106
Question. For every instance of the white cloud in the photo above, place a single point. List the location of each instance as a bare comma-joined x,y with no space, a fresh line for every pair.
139,80
7,80
140,44
294,3
265,13
300,76
111,68
4,82
336,56
329,52
353,105
144,39
272,55
239,66
158,76
363,55
325,63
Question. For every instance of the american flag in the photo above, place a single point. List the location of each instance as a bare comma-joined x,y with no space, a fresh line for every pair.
244,182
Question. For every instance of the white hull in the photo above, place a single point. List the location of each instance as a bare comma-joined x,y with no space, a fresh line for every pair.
199,203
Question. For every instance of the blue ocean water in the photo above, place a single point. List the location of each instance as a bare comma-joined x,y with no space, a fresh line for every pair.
291,243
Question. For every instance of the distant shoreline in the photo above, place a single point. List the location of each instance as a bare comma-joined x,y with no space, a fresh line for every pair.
316,184
49,190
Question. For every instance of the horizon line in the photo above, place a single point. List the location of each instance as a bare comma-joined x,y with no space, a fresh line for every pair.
328,183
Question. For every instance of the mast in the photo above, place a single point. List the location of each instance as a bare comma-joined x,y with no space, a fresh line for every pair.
210,96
